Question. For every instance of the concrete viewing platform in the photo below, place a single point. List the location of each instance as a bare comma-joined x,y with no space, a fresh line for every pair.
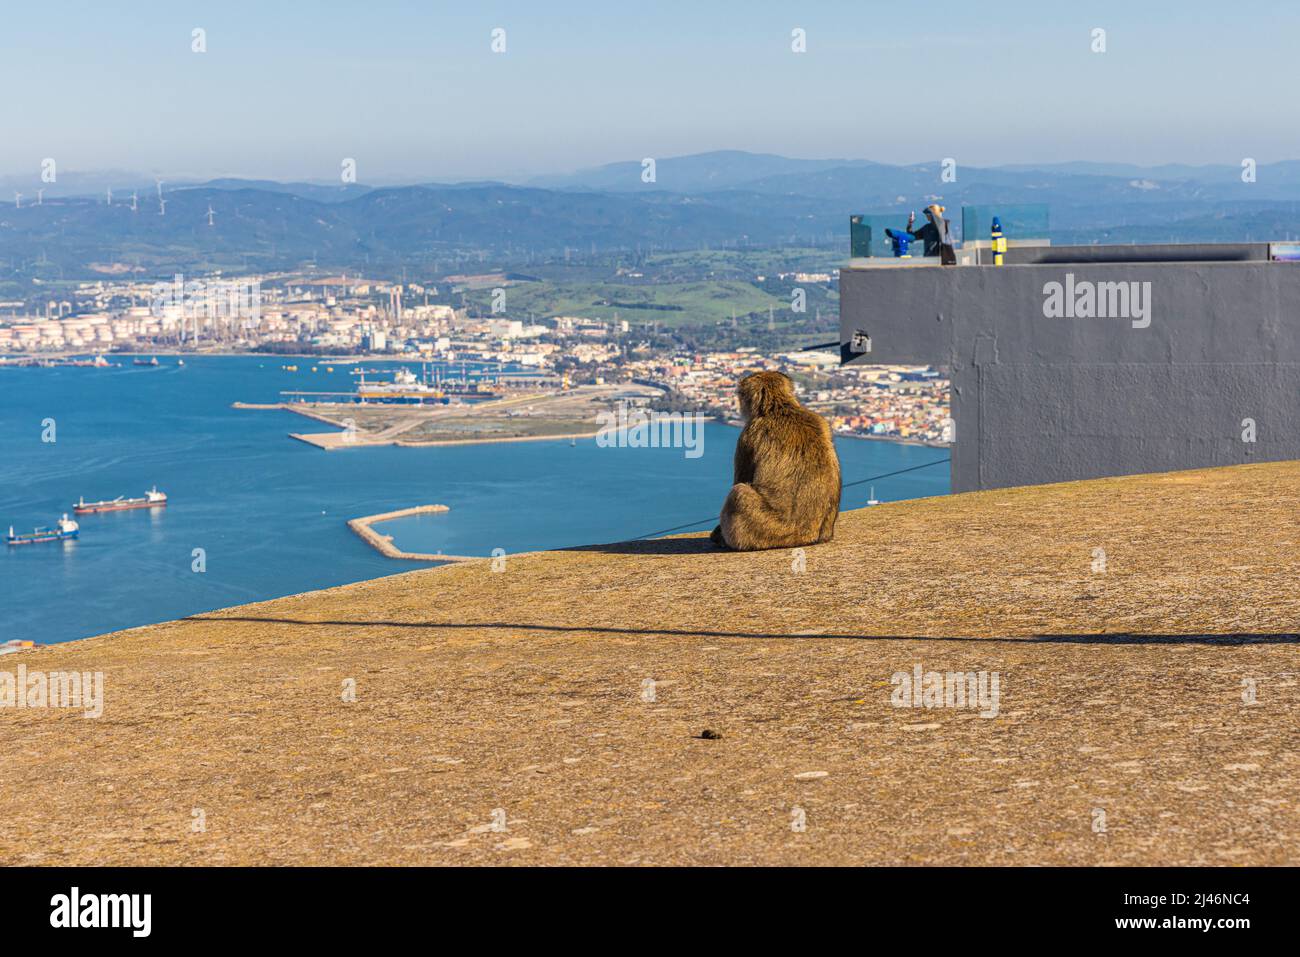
553,709
1080,362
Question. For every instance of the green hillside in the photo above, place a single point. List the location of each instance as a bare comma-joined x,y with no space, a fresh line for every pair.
669,304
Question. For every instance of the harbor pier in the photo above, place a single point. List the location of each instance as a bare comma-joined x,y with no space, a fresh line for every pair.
384,543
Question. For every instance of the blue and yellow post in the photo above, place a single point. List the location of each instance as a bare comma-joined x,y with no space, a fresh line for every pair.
999,242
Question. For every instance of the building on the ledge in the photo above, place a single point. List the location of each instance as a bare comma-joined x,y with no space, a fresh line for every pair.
1076,362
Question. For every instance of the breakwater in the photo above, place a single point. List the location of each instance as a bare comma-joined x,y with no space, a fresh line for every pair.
384,543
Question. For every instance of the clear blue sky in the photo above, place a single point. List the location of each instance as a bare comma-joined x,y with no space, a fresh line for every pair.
412,91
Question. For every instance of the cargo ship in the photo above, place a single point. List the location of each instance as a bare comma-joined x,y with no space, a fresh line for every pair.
66,529
145,362
152,499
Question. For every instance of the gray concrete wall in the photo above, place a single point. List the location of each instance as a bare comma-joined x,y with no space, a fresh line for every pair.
1138,252
1038,399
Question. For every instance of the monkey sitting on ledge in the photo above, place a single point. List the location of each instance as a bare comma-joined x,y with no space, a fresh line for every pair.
787,481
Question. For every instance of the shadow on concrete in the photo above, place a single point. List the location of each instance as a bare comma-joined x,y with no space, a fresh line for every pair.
1235,638
700,545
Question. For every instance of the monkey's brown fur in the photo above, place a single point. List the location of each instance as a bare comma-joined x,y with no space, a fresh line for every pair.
787,481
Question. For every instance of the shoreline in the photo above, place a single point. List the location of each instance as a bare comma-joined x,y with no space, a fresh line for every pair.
321,357
510,438
350,359
334,441
320,440
921,443
330,441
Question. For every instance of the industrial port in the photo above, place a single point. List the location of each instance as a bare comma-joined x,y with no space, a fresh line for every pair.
411,409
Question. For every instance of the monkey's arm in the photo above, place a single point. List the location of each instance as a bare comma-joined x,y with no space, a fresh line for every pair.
744,460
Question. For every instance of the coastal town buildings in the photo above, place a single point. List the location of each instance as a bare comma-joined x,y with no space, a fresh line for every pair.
355,316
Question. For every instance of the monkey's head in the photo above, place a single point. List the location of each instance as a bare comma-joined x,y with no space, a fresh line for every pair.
765,392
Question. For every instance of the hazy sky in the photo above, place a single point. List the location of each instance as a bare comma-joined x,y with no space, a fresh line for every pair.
413,91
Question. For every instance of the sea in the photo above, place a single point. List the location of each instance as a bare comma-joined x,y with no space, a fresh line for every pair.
254,514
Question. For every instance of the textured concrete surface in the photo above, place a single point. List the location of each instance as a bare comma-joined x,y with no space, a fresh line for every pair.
1038,399
500,716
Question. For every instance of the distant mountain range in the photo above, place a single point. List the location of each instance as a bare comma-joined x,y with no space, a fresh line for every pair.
697,173
765,172
728,198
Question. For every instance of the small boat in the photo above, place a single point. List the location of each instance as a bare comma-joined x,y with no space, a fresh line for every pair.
66,529
152,361
151,499
872,499
99,362
15,645
180,362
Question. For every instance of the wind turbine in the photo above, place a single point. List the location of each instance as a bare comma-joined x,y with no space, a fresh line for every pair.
18,200
110,196
39,193
162,206
133,203
158,183
211,212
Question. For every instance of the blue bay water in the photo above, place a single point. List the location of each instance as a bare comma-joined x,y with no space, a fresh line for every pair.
270,512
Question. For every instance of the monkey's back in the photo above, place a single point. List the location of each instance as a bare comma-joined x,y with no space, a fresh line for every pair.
795,468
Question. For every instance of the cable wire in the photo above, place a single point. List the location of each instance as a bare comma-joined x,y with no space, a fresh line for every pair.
870,478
